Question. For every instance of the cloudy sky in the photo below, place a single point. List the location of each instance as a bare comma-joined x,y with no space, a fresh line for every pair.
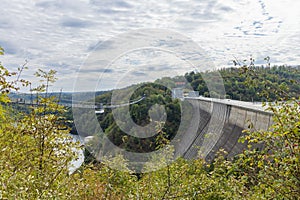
63,34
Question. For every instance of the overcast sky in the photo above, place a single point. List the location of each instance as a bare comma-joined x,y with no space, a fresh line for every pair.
62,34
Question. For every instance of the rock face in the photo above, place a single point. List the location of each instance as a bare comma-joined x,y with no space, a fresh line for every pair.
220,124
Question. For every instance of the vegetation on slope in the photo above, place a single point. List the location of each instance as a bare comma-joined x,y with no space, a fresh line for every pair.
237,85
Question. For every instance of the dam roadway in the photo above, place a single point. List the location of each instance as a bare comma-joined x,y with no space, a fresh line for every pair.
218,123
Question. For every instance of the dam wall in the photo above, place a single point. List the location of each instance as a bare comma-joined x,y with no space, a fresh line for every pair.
219,125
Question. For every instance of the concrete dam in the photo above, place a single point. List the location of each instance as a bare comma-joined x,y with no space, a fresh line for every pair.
220,123
207,125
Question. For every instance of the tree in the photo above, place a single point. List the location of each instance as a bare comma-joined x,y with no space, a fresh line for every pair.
273,172
36,149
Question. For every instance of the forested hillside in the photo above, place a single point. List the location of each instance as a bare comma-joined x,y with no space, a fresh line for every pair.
237,85
139,113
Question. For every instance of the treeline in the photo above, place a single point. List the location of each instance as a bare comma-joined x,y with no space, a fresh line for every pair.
236,82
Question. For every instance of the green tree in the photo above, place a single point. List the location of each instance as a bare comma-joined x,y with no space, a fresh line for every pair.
36,150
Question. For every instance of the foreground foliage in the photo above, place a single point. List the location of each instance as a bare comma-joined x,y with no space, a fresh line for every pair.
36,149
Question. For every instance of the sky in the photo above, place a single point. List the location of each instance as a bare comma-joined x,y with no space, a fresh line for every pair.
65,34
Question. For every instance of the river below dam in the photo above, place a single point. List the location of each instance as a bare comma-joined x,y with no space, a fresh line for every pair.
75,164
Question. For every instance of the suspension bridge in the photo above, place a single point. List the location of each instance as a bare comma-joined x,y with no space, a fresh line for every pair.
99,107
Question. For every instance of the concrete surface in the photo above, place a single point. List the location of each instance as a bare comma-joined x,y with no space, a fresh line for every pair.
219,125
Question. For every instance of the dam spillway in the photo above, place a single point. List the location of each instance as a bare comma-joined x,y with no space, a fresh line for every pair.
220,123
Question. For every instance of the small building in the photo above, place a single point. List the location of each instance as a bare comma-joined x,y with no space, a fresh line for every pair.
180,84
177,93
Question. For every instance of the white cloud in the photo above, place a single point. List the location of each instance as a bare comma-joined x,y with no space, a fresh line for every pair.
61,34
